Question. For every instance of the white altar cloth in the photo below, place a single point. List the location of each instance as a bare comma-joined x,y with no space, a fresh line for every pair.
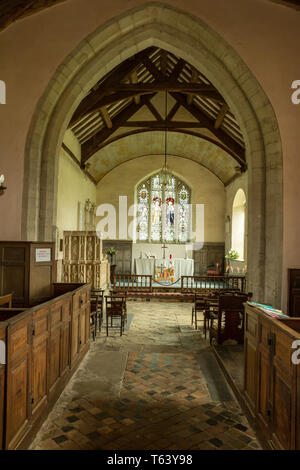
182,267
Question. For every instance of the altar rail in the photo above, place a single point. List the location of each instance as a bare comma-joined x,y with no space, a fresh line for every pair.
40,348
201,283
132,283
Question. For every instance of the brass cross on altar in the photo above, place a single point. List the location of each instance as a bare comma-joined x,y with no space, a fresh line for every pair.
164,247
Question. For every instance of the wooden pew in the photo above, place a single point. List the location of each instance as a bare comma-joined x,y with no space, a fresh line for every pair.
6,300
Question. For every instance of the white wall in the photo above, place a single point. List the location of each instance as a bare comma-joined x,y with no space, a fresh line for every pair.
73,187
206,189
231,190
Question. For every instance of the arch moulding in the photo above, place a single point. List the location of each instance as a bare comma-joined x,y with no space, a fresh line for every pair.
157,24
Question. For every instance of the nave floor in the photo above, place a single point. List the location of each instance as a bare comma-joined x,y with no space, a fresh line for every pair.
158,387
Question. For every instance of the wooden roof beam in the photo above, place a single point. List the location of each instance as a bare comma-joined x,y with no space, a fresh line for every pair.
93,100
106,117
221,116
206,122
92,145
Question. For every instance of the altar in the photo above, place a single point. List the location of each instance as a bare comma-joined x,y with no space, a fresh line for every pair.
162,270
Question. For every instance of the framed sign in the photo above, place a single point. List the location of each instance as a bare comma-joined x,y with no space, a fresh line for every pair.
42,255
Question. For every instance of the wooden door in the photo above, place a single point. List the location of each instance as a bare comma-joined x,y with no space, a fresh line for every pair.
264,357
283,401
39,362
54,347
250,369
294,292
19,337
2,380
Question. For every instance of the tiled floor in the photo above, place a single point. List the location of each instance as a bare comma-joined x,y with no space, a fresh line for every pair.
157,387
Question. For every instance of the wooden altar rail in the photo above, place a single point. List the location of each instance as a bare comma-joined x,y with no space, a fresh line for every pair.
207,283
40,349
132,283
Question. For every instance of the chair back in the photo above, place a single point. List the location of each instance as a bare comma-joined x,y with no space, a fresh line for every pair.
115,303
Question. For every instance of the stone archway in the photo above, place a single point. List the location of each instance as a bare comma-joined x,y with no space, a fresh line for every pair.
163,26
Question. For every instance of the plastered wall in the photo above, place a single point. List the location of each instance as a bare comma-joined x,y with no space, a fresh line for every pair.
206,188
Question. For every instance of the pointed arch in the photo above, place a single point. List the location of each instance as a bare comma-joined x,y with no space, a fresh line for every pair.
186,36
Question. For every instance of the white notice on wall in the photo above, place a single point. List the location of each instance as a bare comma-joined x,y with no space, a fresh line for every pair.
42,255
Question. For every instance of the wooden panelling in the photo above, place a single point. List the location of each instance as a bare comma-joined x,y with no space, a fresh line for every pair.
83,261
3,327
18,410
123,259
269,368
294,292
65,356
210,255
23,274
39,360
44,345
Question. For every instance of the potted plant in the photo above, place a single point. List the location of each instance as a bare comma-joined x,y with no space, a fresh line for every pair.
232,254
111,253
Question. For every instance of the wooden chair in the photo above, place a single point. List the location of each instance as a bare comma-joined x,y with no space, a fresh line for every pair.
124,295
211,311
6,300
115,308
97,306
93,325
229,319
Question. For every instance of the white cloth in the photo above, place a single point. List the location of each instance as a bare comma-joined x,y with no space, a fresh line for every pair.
144,266
182,267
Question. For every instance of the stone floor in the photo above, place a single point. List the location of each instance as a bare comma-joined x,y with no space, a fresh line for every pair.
157,387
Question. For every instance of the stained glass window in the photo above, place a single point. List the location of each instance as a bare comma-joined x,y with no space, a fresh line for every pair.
163,210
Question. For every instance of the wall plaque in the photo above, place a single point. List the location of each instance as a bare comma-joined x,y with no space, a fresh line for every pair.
42,255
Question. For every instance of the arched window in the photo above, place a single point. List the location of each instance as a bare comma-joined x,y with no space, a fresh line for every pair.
163,210
238,223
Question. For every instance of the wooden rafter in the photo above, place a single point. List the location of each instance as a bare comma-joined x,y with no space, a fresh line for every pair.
163,124
106,117
134,79
194,79
91,146
105,97
208,124
173,111
154,111
95,99
113,90
221,116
